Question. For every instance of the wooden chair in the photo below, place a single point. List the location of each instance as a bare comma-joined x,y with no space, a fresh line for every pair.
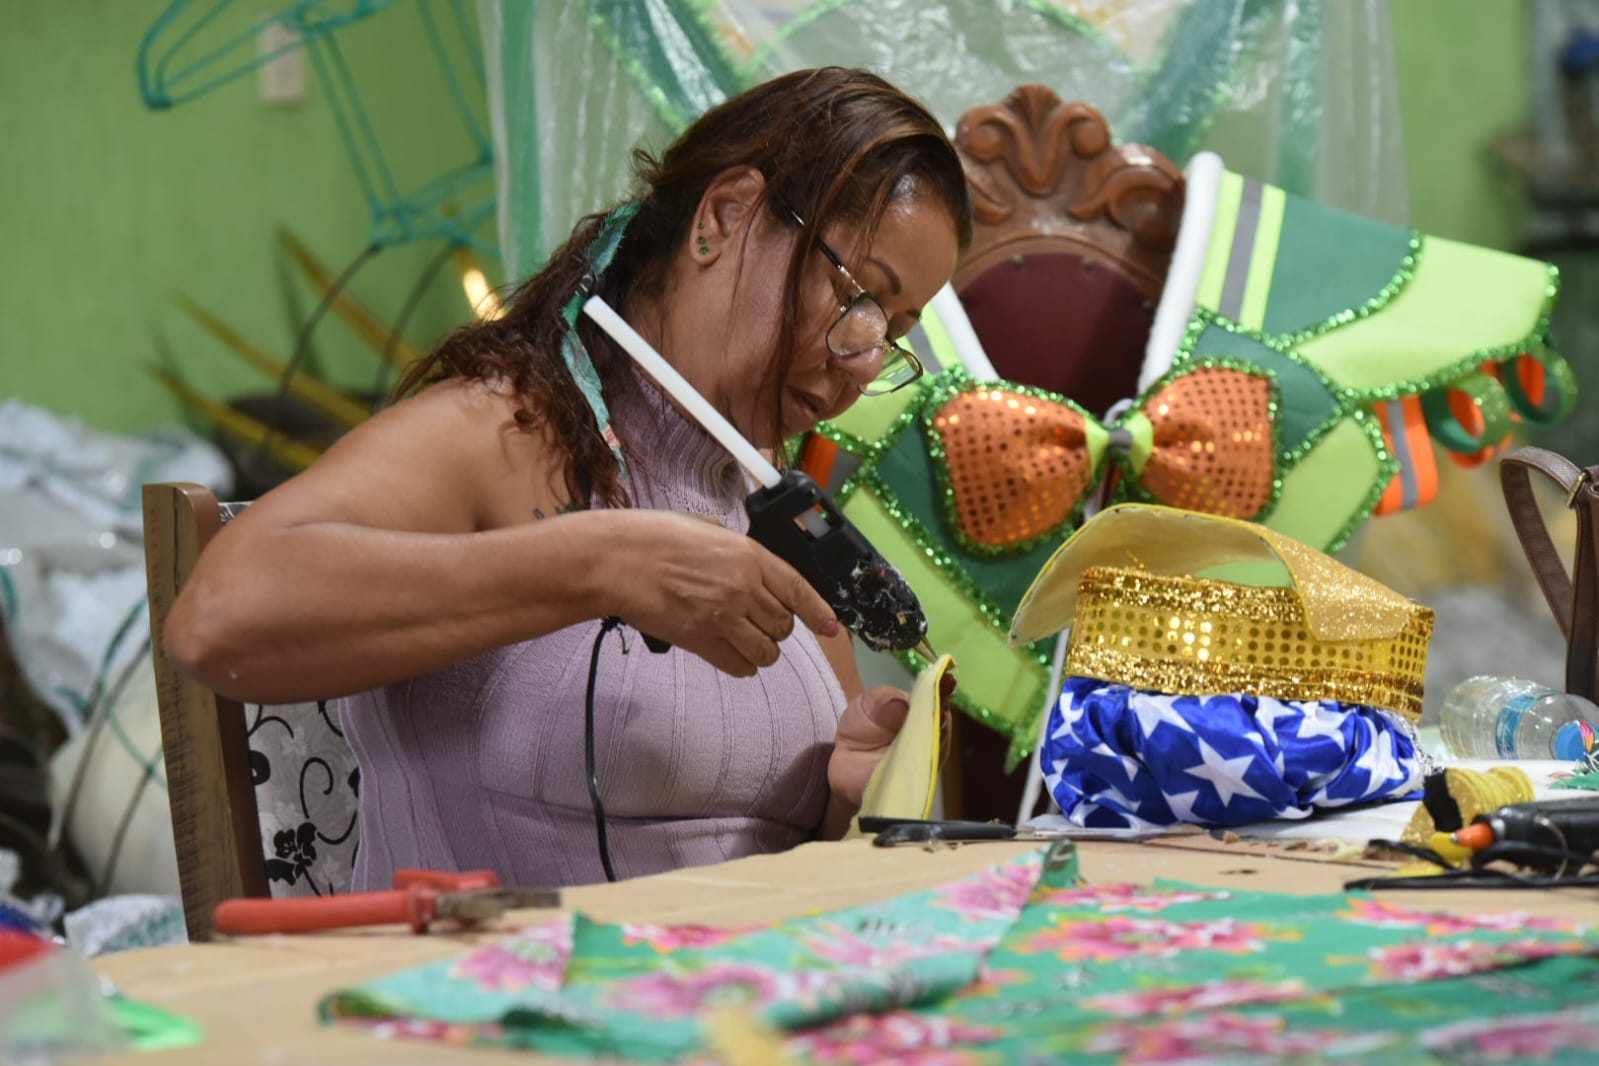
1071,242
214,819
1072,239
219,757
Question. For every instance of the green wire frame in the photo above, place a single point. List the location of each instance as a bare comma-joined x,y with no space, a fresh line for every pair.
170,74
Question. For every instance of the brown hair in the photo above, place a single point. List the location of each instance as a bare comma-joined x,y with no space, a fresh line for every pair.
831,143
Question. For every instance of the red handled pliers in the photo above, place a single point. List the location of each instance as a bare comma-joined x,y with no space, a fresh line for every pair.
418,899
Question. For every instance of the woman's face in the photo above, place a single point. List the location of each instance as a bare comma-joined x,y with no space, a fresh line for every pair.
910,257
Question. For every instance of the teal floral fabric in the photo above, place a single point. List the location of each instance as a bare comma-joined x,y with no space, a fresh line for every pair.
1023,962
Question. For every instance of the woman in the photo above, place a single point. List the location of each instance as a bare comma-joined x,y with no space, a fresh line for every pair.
450,561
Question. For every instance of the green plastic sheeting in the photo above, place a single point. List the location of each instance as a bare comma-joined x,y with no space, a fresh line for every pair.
1300,93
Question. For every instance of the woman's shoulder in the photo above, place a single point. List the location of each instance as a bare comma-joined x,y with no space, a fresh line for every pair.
452,420
455,451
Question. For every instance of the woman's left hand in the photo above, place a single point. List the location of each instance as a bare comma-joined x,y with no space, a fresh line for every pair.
869,725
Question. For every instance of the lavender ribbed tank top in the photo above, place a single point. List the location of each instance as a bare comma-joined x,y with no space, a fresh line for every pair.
480,765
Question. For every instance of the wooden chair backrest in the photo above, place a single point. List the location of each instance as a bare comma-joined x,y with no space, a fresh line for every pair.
1072,239
209,785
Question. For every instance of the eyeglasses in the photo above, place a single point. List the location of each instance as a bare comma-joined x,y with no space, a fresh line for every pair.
862,331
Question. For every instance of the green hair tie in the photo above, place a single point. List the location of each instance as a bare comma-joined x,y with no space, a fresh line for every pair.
599,254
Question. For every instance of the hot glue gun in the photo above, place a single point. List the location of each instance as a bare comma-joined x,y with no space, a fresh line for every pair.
1538,835
793,518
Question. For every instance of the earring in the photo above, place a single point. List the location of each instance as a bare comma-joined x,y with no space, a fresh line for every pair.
705,248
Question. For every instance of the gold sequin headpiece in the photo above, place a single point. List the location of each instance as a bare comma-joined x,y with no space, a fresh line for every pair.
1192,604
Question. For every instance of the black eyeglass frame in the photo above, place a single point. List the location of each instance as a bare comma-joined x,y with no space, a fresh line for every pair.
891,349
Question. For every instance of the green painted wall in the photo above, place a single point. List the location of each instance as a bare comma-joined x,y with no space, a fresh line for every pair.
1462,81
108,209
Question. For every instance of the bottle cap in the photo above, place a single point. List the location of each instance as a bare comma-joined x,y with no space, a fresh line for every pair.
1573,741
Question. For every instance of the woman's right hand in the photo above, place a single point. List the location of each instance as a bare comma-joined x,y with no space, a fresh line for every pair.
708,590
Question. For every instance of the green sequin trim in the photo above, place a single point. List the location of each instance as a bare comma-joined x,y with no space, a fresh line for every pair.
1560,389
1534,343
991,611
1403,275
1387,466
1487,395
1351,406
951,567
1287,457
1022,734
868,452
844,440
1308,399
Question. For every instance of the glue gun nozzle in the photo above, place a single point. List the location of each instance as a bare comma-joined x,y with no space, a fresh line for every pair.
1476,836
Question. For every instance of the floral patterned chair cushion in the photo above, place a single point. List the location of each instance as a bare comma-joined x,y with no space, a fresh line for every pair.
306,790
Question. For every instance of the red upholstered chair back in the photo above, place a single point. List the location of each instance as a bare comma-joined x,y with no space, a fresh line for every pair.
1073,236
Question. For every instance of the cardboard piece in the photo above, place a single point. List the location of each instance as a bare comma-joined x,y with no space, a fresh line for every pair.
256,998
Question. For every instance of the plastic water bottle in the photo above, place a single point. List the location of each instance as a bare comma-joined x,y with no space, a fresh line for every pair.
1509,718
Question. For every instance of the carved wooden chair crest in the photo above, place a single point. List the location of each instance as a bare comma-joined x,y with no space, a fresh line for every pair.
1072,239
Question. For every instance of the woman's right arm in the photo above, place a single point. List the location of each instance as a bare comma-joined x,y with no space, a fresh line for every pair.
434,532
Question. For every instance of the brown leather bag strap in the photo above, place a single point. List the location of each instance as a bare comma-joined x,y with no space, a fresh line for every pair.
1574,599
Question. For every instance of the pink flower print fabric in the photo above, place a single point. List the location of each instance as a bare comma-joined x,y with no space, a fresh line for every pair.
645,991
534,957
1111,899
1222,1036
1025,962
1117,936
667,938
1427,960
720,985
1539,1037
1382,913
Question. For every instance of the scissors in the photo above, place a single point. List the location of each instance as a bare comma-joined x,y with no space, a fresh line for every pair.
418,899
892,831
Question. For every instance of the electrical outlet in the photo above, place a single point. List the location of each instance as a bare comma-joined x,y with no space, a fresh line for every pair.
282,77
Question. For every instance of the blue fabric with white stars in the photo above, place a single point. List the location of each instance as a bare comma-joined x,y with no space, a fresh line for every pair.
1120,757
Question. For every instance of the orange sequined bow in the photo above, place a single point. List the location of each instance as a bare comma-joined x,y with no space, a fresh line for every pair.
1019,463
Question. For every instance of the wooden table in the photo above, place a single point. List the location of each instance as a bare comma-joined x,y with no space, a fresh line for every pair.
256,998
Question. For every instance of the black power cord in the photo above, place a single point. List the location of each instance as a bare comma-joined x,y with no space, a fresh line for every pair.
1481,875
397,331
1470,879
589,761
302,342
